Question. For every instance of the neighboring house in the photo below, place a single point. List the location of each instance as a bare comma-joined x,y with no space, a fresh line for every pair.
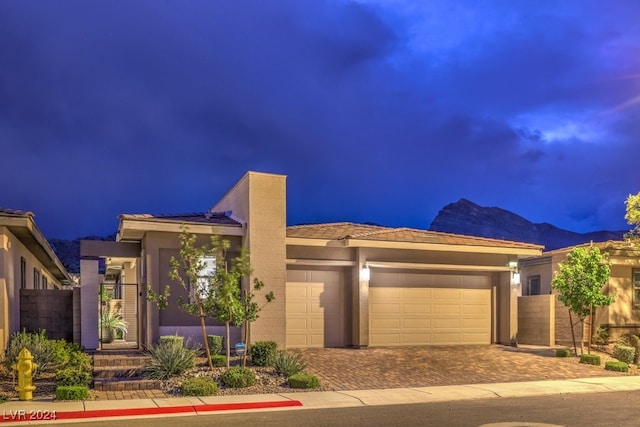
336,285
620,317
27,261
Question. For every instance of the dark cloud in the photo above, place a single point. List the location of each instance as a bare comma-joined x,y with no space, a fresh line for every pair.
376,112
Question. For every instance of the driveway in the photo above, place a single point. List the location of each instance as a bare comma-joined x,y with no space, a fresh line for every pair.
372,368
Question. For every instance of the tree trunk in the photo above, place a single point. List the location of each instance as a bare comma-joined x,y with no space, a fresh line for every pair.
590,329
573,334
204,336
228,338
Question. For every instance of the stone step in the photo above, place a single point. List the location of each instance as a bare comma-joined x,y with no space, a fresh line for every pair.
121,384
110,361
124,372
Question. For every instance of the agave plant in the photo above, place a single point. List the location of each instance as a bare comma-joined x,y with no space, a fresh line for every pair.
111,325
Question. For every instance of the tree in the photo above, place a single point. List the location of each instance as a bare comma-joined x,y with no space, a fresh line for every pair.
212,285
579,283
633,216
250,310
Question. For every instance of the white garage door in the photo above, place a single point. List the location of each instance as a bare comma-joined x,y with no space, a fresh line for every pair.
424,309
315,309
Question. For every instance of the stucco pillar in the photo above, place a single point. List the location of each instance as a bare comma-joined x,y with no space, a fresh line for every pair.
89,282
360,308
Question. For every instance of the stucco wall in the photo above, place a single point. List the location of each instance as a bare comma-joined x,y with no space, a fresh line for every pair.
536,320
11,250
260,199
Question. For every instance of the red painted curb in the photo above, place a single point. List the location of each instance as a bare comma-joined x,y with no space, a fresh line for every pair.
46,415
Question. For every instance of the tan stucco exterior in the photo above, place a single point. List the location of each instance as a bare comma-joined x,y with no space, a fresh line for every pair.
21,240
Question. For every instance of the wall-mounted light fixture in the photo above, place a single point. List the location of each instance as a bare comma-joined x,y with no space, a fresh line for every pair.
515,278
365,273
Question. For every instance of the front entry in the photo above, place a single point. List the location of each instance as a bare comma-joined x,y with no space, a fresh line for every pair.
118,316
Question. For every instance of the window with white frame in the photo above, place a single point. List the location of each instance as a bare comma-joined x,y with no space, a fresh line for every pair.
203,284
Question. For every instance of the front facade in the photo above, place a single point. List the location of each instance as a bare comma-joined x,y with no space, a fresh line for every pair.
624,284
27,261
336,285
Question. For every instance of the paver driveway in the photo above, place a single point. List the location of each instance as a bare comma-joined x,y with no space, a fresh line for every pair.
371,368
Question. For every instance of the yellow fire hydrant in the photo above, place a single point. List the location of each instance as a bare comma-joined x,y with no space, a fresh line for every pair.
25,368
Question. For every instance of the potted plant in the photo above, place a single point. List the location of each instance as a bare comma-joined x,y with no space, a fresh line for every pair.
111,324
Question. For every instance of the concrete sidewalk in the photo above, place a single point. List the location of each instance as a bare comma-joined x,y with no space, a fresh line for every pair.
44,411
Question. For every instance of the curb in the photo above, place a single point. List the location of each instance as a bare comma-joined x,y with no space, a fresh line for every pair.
51,415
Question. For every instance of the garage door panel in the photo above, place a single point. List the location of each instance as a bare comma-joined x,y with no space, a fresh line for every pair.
432,315
314,310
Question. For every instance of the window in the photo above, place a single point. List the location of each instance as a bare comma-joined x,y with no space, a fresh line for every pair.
636,287
23,273
533,283
36,278
45,282
203,284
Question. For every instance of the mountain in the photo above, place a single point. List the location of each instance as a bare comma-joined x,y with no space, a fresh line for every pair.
465,217
69,250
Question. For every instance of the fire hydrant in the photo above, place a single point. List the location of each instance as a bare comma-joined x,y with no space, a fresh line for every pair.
25,368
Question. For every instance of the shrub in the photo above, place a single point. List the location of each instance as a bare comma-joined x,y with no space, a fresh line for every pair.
601,336
303,381
616,366
631,340
72,392
238,377
219,360
199,386
288,364
79,360
590,359
564,352
263,353
216,343
624,353
40,347
172,339
73,376
169,360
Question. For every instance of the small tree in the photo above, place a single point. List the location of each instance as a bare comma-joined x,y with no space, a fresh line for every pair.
251,309
579,283
633,216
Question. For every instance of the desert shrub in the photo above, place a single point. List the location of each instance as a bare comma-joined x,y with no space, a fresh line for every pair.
616,366
238,377
172,339
72,392
216,343
199,386
169,359
624,353
631,340
590,359
263,353
40,347
303,381
563,352
219,360
79,360
73,376
288,364
600,337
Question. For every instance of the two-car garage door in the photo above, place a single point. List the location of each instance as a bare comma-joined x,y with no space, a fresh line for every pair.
419,309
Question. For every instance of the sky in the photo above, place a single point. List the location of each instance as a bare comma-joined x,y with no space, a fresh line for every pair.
378,111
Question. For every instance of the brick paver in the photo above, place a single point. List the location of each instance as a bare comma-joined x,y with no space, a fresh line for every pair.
375,368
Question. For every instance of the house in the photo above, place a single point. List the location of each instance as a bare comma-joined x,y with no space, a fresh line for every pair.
336,285
620,317
27,262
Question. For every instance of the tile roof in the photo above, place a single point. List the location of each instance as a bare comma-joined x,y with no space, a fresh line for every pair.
347,230
218,218
14,212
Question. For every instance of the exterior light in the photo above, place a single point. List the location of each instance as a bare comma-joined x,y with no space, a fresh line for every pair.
513,264
365,273
515,279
